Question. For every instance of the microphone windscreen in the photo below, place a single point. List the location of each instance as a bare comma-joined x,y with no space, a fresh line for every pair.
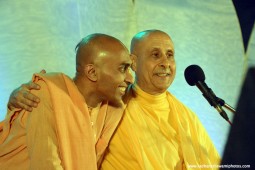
193,74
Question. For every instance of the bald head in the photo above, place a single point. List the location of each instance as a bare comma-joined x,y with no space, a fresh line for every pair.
94,47
141,37
102,64
153,60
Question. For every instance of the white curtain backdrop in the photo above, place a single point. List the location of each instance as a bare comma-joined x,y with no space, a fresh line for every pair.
42,34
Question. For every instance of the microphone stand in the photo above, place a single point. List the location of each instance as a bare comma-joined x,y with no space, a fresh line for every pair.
224,104
214,100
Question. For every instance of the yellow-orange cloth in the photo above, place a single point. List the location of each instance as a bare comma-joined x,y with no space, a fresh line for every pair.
159,133
58,133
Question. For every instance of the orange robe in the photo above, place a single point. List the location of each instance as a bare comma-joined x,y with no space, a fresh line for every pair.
159,132
58,133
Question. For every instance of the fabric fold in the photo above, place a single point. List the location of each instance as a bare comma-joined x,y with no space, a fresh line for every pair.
63,120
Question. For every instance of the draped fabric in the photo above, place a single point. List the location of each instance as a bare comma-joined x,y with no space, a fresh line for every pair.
36,35
159,132
58,134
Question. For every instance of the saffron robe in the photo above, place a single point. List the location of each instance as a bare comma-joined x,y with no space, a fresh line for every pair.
159,132
58,133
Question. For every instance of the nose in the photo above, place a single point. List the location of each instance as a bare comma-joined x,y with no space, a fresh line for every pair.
165,62
129,78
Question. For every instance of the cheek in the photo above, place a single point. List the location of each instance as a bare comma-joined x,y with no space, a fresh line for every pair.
105,80
173,67
144,73
113,79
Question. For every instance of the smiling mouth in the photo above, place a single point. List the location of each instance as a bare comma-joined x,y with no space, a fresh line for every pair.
163,74
122,89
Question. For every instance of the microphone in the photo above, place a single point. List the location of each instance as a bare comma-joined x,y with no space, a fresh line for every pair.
194,75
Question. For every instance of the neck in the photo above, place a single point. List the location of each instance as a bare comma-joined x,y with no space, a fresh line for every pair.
149,91
88,91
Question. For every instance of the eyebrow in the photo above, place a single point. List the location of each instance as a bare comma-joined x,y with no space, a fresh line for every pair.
168,50
126,64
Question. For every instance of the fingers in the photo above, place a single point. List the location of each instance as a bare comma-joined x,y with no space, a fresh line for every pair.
16,102
25,106
23,98
34,86
43,71
30,86
30,99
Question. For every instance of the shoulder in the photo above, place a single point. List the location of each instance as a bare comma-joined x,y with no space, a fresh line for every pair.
55,80
54,76
177,102
184,112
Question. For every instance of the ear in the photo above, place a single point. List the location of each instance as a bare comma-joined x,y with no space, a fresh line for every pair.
134,61
90,72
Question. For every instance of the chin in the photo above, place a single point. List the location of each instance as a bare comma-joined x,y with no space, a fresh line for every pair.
164,87
162,90
116,103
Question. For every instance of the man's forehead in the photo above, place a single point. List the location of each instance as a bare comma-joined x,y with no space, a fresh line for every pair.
158,43
156,38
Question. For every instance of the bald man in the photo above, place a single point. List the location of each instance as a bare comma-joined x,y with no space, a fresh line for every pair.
76,118
157,131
